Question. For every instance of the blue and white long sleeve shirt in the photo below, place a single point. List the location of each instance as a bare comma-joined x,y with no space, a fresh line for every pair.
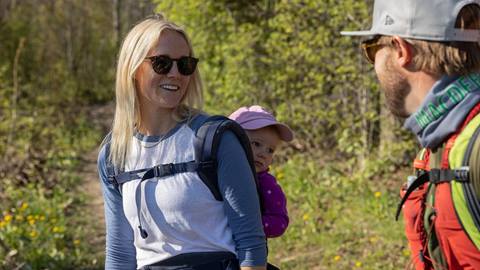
179,211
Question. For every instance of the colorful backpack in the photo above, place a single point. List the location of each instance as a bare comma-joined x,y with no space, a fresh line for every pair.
442,205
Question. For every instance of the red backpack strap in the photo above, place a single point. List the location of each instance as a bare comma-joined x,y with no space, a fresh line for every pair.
415,207
421,161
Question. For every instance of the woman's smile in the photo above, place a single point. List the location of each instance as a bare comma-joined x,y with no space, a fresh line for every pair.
170,87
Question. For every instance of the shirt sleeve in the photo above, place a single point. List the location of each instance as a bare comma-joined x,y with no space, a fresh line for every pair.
242,207
120,251
274,216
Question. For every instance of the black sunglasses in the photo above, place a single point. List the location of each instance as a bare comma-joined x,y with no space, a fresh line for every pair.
162,64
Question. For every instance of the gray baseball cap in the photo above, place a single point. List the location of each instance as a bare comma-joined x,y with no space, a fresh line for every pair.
419,19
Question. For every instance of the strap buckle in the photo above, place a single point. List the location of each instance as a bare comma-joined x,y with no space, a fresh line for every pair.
446,175
462,174
163,170
112,180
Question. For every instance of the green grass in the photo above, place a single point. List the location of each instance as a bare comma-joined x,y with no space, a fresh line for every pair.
43,222
339,219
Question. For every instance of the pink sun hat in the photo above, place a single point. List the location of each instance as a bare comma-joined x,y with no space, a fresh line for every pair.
256,117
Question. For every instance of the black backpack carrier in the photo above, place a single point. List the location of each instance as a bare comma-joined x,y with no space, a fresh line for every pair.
208,134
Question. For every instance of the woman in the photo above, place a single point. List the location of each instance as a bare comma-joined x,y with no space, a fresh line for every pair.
174,221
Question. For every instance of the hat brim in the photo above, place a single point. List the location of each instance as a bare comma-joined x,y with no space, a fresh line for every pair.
284,131
358,33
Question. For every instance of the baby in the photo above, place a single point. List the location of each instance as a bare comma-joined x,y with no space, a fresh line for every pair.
265,135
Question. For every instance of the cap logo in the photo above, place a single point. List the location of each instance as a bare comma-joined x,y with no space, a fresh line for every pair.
389,20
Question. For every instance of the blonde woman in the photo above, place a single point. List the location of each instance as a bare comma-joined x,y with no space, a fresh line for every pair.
172,222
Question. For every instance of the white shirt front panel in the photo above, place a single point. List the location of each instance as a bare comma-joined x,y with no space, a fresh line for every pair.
178,212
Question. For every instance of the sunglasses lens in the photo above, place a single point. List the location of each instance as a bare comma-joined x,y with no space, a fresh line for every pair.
370,49
162,64
370,53
187,65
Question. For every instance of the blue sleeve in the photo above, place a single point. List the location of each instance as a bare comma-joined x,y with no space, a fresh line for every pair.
242,207
120,251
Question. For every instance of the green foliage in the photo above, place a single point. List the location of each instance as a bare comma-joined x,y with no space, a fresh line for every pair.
340,176
35,229
44,131
289,57
339,219
70,56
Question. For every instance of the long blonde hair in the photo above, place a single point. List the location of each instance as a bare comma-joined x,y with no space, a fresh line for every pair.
135,47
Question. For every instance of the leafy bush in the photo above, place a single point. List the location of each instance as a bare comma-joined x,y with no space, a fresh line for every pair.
34,231
339,219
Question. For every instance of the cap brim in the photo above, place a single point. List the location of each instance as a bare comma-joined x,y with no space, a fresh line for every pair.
286,134
358,33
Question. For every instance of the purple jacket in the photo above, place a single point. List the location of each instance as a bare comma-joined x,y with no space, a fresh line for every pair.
274,205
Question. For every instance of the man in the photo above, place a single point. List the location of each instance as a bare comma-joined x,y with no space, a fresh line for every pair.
426,55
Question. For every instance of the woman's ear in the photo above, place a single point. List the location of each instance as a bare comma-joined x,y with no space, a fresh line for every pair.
404,51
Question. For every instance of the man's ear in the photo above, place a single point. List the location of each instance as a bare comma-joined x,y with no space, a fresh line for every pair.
403,50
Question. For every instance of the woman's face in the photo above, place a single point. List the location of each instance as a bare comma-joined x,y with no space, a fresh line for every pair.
163,91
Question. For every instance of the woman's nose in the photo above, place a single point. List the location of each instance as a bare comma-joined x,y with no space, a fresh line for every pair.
173,72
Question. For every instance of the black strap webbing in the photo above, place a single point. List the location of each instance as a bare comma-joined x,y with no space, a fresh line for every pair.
163,170
434,176
446,175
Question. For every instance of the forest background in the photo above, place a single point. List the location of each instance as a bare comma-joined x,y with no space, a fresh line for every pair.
341,174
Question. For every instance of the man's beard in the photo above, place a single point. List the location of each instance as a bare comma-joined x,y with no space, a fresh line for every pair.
396,89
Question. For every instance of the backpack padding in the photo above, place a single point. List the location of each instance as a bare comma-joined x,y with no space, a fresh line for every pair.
475,170
469,187
111,170
206,147
205,155
457,158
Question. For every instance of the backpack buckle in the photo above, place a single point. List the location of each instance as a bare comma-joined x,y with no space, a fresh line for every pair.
163,170
462,174
112,180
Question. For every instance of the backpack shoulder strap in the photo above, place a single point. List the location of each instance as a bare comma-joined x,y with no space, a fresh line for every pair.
471,189
465,195
208,133
111,170
472,156
434,165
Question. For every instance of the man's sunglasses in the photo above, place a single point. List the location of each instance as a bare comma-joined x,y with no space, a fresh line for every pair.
370,48
162,64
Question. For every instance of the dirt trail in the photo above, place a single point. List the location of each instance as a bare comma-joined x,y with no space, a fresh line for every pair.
101,117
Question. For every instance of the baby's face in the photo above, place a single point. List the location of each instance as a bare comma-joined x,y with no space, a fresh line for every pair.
264,143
